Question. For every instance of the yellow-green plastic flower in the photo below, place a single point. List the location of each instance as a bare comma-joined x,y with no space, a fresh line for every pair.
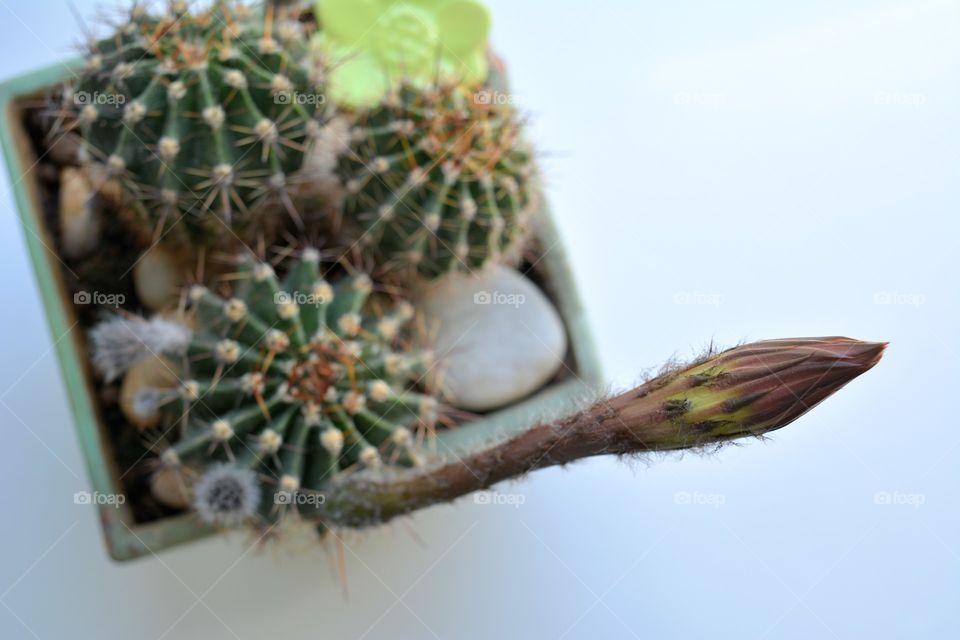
375,43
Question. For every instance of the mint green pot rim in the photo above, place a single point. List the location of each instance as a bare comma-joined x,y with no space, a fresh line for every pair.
125,538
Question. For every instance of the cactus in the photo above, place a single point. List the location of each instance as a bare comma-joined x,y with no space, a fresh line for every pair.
203,117
295,382
298,380
438,180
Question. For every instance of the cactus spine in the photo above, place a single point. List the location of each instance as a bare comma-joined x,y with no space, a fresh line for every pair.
438,180
201,115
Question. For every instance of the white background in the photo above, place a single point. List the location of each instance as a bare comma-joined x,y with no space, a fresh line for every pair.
781,164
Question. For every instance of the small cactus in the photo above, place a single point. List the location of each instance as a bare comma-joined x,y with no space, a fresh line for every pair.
438,180
298,380
201,115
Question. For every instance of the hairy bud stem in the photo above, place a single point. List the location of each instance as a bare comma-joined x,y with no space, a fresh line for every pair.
745,391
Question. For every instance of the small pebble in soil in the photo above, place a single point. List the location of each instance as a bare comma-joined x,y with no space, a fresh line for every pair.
158,277
496,336
79,214
168,486
141,389
64,149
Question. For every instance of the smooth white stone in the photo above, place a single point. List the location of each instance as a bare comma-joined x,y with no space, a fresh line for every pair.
496,336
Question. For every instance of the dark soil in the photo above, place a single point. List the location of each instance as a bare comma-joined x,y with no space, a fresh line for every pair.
107,270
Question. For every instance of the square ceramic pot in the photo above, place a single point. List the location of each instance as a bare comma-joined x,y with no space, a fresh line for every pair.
125,537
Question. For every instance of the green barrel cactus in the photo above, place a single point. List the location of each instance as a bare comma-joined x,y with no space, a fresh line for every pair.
438,180
202,116
295,381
